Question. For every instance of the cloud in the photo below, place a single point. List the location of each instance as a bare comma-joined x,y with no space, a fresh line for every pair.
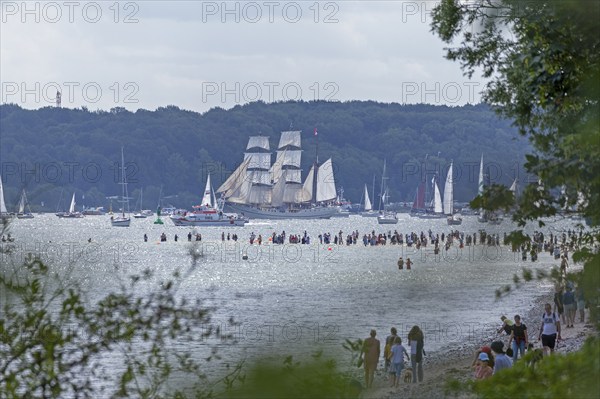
173,51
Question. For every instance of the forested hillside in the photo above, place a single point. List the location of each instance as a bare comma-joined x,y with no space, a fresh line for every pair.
54,150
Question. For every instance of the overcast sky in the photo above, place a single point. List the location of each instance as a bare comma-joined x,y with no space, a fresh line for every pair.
198,55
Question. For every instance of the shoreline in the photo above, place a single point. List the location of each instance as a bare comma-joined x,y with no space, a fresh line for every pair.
456,363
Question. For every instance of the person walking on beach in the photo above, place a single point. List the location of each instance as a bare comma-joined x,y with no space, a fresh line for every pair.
502,361
408,263
416,342
387,350
549,329
371,352
398,353
519,338
580,303
570,306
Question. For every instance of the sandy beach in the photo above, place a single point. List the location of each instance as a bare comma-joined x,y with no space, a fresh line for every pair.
457,363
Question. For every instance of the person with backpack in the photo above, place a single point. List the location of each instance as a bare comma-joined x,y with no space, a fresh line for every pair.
549,330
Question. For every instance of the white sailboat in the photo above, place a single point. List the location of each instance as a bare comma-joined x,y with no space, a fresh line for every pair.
24,213
122,220
257,189
436,209
482,218
208,213
71,213
449,199
3,211
385,216
368,206
143,213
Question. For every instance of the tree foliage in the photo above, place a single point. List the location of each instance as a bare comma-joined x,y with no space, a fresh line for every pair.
541,60
52,342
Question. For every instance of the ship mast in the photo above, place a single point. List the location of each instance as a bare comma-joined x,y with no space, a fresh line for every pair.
315,168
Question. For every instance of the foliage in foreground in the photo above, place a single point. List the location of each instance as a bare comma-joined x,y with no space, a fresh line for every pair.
52,343
574,375
318,378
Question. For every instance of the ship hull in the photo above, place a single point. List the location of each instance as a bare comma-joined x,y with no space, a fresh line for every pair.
224,222
274,213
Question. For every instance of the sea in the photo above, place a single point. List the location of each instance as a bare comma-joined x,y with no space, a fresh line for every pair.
298,299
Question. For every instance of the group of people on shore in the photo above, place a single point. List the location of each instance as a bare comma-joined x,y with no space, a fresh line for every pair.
394,355
491,359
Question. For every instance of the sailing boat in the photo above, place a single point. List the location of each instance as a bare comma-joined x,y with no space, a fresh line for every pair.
71,213
449,200
3,211
207,213
385,216
436,210
143,213
483,217
23,203
368,207
122,220
257,189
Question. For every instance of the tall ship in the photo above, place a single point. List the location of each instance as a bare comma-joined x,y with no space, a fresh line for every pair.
258,189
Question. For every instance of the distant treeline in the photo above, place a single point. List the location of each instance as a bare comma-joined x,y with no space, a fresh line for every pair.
52,152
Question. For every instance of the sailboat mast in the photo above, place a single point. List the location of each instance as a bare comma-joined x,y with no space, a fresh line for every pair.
123,183
382,190
316,168
373,189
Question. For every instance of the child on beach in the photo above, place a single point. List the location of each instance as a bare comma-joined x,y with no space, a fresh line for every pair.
482,368
398,353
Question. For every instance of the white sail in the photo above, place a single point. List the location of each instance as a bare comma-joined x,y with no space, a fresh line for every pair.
287,166
480,186
514,188
207,198
278,192
449,193
290,139
259,163
307,187
22,202
437,199
325,182
237,186
72,207
368,205
235,180
2,203
258,143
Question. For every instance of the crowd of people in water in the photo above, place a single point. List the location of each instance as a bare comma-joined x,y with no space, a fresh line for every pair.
558,245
